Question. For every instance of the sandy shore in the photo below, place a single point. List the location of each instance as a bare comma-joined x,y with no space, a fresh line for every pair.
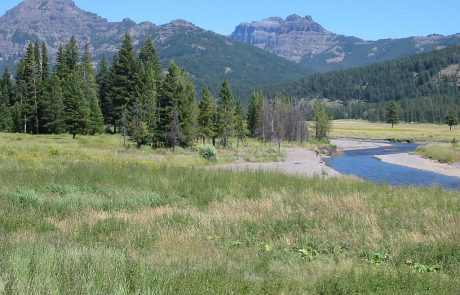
419,162
298,161
357,144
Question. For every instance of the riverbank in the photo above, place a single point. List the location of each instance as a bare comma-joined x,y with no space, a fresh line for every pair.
419,162
298,162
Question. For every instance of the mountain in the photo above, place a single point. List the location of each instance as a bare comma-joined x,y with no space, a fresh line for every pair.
302,40
426,86
210,58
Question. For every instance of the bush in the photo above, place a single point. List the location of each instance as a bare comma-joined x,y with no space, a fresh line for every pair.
208,152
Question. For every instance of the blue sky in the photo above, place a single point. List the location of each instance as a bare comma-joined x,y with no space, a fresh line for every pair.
367,19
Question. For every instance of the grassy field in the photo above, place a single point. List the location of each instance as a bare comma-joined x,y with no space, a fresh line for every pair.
415,132
88,217
447,152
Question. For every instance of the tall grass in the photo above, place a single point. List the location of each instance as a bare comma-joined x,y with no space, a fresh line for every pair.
73,224
447,153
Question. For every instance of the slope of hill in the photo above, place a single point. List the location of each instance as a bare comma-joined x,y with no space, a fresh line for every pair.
303,40
425,85
209,57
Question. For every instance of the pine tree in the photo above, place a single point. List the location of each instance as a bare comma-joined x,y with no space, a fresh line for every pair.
137,127
393,114
188,109
60,69
149,54
169,125
255,113
241,128
104,82
207,114
45,64
146,93
322,121
123,84
53,107
30,77
6,101
452,118
95,120
75,106
225,113
71,56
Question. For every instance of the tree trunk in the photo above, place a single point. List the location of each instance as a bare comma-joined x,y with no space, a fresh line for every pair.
74,135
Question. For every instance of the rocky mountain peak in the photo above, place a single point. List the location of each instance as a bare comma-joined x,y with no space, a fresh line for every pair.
291,38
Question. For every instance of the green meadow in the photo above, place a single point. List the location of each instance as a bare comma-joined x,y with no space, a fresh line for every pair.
88,216
403,131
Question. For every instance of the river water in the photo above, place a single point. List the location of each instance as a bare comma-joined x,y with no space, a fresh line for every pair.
363,164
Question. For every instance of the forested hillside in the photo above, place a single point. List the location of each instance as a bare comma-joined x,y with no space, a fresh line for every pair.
425,86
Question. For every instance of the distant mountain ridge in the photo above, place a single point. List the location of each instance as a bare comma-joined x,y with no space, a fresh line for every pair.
210,58
302,40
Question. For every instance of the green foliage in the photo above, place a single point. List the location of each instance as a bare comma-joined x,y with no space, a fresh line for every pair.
208,152
255,113
75,107
241,129
225,114
393,114
322,121
90,93
124,69
452,118
104,82
207,115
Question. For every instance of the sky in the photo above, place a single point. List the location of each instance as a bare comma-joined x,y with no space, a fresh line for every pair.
367,19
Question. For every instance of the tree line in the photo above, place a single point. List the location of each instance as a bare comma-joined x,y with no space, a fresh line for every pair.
132,96
426,87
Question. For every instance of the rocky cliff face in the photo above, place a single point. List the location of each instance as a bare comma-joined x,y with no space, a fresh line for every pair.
292,38
301,39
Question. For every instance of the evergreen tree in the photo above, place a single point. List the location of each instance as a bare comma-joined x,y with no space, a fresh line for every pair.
393,114
146,93
60,69
95,121
171,98
71,56
45,64
452,118
149,55
255,113
225,111
123,90
53,107
30,77
6,101
137,127
104,82
76,111
18,112
322,121
207,114
241,129
181,112
188,109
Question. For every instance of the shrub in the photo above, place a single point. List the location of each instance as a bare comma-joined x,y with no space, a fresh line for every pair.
208,152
